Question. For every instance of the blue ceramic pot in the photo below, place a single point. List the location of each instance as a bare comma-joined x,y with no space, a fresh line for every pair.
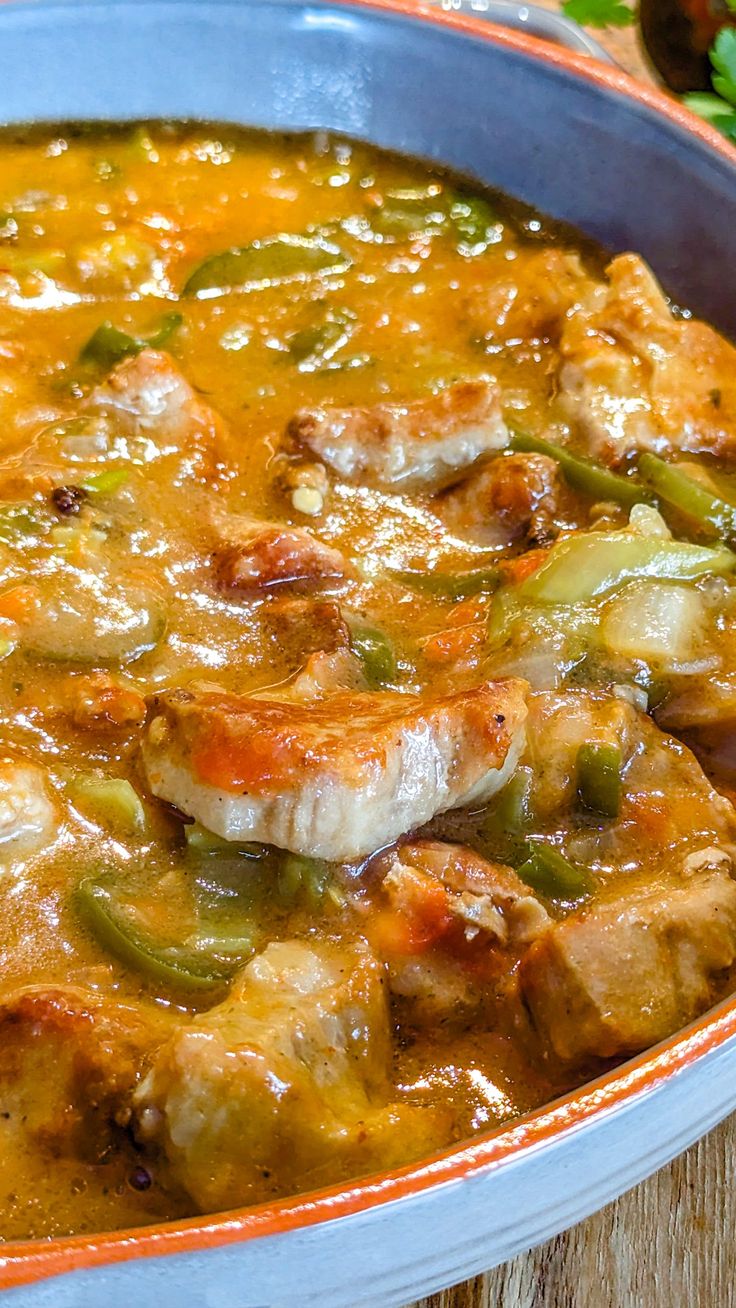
585,144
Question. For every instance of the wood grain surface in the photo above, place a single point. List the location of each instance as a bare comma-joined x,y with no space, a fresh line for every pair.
669,1243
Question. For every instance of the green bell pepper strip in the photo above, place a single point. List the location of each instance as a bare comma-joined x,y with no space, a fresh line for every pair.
450,585
175,965
513,811
553,877
586,565
105,483
303,878
270,262
312,347
376,654
108,345
202,843
688,496
109,801
588,478
598,771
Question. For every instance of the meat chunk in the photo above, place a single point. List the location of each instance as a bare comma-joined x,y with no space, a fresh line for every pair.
636,378
327,671
70,1062
303,626
258,556
622,975
482,896
417,446
97,701
28,816
149,401
285,1085
453,931
335,779
667,802
530,299
514,497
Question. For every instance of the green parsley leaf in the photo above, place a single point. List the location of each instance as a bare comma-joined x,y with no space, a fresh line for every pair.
600,13
719,109
714,110
723,59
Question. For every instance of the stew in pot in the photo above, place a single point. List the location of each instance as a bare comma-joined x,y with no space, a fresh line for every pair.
366,636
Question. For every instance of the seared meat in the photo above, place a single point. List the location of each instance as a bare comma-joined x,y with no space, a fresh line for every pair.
70,1062
100,702
416,446
255,556
285,1085
327,671
482,896
337,778
149,401
531,298
628,970
513,497
620,976
636,378
667,802
452,933
303,626
28,817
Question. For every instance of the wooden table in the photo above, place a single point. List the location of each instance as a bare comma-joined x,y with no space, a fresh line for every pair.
667,1244
670,1243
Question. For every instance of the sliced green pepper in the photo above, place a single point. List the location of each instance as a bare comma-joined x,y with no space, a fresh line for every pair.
588,478
410,212
313,347
19,523
303,878
475,224
109,344
110,801
270,262
375,652
105,483
553,877
513,811
205,844
428,212
207,967
598,771
450,585
674,486
586,565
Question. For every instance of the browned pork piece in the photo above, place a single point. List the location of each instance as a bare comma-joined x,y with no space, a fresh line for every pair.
415,446
336,778
513,497
148,400
254,556
305,625
286,1084
634,377
70,1062
622,975
457,926
530,298
484,897
29,818
642,958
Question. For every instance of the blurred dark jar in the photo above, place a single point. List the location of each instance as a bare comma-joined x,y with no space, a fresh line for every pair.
677,34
